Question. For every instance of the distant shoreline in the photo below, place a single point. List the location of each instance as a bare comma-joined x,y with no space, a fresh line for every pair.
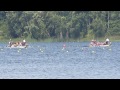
112,38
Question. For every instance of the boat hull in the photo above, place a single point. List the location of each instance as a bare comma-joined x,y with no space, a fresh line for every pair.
17,47
99,45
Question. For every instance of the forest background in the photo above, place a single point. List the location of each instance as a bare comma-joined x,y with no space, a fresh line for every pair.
50,26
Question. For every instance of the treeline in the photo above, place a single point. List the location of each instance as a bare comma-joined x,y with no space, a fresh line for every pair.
59,24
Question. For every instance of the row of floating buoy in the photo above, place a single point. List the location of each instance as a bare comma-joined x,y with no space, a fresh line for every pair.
63,48
1,49
41,50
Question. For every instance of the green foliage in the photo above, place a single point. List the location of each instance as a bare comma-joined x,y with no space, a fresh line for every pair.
59,25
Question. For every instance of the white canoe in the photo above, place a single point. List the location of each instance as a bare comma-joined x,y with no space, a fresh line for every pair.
99,46
17,47
104,45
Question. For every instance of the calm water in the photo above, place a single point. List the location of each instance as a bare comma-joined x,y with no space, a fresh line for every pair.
51,61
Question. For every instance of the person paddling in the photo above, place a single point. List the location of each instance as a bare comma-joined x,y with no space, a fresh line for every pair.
23,43
10,43
107,41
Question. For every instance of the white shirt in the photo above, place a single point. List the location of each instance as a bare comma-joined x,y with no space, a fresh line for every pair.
24,41
107,39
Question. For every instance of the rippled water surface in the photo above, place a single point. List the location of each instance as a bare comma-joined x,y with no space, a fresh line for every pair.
51,61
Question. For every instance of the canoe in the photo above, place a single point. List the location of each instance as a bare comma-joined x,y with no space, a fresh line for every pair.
99,45
17,46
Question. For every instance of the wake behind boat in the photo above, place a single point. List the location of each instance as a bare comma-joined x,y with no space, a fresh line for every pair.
19,44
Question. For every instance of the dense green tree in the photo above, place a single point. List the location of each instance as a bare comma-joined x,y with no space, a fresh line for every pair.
59,24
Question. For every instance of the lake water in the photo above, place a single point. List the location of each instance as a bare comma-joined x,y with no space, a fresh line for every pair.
51,61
